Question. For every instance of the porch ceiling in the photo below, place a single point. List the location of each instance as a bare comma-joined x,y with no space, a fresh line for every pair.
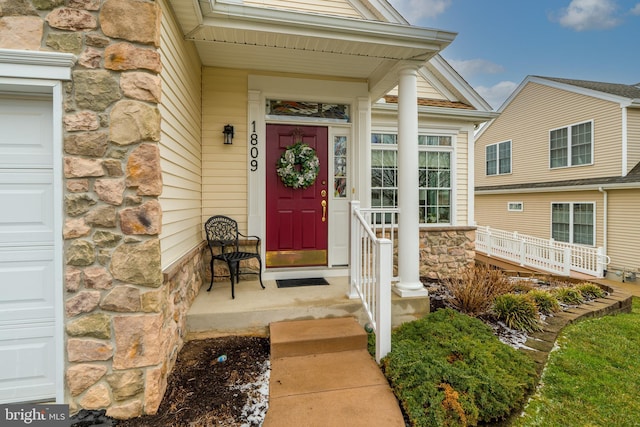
232,35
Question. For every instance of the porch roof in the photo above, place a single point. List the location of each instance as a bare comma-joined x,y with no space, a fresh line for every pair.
232,35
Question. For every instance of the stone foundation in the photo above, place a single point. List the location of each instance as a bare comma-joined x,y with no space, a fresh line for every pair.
446,250
124,319
125,371
443,250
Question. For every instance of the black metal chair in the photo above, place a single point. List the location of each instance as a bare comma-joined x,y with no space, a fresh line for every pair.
222,233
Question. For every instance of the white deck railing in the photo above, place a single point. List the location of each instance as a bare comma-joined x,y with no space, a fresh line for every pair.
371,271
543,254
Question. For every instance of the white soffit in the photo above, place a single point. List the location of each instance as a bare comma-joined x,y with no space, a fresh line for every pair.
237,36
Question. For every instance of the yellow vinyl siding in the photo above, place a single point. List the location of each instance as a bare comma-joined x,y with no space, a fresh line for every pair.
527,120
624,229
425,90
535,219
633,137
224,167
180,146
325,7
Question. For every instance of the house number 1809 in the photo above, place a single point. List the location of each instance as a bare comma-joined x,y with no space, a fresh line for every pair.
253,150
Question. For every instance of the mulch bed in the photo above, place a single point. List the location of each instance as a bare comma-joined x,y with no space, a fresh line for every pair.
204,390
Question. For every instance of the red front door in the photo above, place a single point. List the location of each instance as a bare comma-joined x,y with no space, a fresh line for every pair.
296,218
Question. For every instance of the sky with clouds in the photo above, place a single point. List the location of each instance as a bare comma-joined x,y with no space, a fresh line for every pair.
500,42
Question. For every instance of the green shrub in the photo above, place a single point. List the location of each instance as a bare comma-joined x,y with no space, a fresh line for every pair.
545,301
590,290
449,369
517,311
371,343
473,290
568,295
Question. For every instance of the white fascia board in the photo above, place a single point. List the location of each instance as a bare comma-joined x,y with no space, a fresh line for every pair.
632,103
36,64
461,85
580,90
237,16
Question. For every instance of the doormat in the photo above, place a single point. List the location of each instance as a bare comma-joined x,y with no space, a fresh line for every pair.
292,283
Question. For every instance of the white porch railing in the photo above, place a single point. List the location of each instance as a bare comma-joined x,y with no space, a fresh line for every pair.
543,254
371,269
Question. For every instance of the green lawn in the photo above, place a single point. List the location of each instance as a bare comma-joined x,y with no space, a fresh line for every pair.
593,379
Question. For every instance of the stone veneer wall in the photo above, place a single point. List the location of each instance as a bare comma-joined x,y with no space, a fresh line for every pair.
446,250
124,320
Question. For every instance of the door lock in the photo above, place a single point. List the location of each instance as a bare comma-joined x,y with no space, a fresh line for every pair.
323,193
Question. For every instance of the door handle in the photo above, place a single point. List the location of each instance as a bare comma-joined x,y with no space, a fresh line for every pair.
324,210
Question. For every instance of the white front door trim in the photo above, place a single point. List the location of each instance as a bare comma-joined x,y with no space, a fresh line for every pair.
262,88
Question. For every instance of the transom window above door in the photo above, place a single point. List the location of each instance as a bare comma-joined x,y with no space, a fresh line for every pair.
305,110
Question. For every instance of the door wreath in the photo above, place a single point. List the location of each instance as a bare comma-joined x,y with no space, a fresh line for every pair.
298,166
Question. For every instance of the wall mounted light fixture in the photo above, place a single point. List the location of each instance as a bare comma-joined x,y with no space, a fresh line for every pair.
228,134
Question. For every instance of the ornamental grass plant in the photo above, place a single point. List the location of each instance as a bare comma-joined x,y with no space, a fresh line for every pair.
568,295
517,311
473,290
547,303
590,291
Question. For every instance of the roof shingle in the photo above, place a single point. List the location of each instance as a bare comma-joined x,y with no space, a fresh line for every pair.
428,102
627,91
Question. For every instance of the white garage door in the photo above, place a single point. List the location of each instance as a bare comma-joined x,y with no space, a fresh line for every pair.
27,316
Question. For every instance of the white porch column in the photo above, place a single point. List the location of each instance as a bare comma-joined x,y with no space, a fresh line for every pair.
408,223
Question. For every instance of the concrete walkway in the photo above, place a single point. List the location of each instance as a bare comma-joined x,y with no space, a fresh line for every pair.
631,288
323,376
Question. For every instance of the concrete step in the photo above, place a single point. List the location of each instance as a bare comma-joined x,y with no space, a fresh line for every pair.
344,388
254,309
316,336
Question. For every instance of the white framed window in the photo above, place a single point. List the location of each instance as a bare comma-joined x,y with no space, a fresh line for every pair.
435,160
571,145
498,158
573,222
515,206
340,164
